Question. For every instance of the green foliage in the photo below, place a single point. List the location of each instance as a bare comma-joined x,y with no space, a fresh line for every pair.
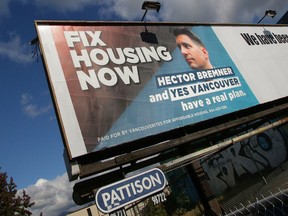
154,210
178,204
10,203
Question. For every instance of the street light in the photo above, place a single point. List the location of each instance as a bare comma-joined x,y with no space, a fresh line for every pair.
270,13
150,5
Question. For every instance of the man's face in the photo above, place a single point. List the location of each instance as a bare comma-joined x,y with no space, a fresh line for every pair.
195,55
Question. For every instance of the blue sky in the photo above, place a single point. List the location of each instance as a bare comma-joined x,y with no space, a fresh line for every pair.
31,144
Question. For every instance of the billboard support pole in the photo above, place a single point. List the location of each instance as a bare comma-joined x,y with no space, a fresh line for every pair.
218,147
204,189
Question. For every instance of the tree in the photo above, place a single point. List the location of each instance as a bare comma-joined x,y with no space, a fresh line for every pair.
10,203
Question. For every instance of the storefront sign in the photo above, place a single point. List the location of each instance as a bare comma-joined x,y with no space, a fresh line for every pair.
122,193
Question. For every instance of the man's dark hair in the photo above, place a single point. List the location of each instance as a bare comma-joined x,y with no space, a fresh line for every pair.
191,35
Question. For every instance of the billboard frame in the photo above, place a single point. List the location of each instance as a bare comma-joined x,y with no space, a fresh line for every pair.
136,149
195,132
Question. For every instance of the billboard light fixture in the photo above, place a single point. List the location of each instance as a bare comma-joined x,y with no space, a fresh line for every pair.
34,41
35,52
150,5
271,13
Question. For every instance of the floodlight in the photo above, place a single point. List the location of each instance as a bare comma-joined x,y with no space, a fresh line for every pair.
270,13
150,5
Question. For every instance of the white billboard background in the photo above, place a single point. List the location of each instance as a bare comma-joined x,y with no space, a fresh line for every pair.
264,66
65,107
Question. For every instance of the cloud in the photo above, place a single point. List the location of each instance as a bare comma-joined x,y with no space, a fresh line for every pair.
128,13
210,11
51,197
30,108
221,11
65,5
4,8
15,50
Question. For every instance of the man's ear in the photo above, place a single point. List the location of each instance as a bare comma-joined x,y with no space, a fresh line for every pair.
205,52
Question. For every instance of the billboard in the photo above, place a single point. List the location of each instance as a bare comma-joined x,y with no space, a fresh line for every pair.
115,83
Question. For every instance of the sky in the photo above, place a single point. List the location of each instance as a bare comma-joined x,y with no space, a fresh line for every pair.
31,145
